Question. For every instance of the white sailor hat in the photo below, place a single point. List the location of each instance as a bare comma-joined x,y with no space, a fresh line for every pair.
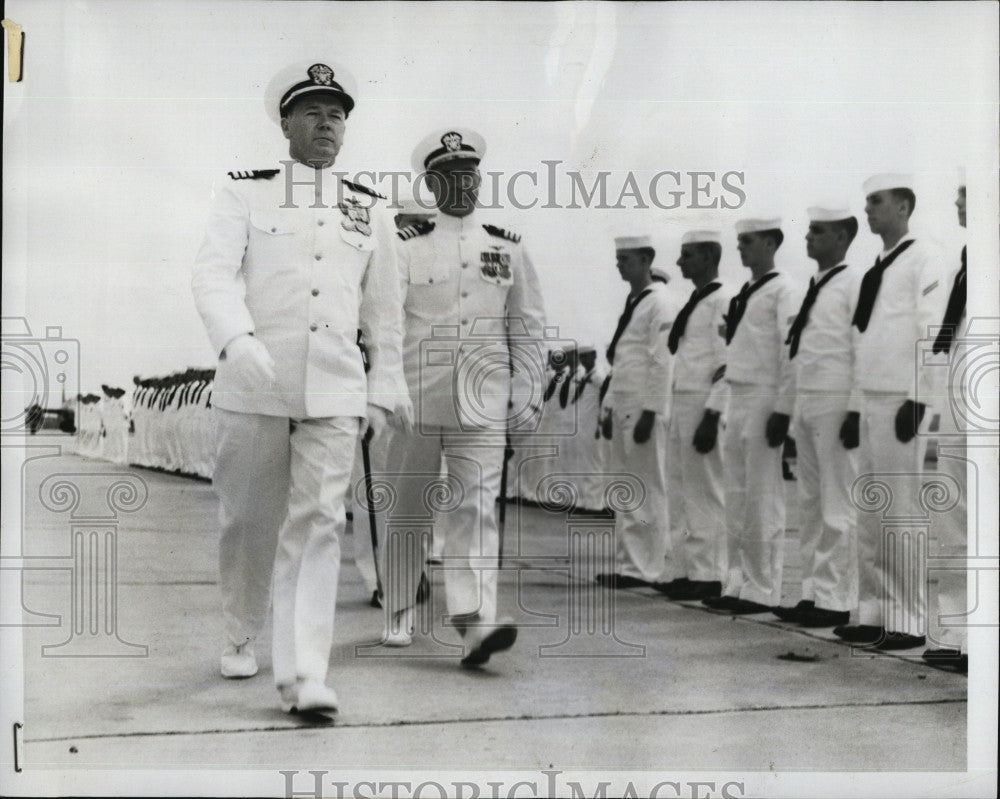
888,180
632,242
757,225
660,273
447,144
306,77
702,237
831,212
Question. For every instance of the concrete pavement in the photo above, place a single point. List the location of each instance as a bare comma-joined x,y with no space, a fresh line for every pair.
653,685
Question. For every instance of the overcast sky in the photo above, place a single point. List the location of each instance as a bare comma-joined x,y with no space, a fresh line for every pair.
129,111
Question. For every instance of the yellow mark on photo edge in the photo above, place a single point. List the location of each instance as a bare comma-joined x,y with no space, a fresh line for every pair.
15,50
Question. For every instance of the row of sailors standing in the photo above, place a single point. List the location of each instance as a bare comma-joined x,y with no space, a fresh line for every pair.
102,427
721,383
172,426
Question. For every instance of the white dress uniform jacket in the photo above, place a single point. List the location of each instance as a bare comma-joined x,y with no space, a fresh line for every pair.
911,299
291,275
757,355
640,378
472,304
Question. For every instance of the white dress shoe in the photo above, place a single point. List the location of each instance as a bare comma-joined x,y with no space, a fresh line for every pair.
238,662
316,696
398,630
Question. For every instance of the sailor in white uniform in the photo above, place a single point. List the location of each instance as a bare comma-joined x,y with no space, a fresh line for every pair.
821,348
761,401
698,343
639,401
900,298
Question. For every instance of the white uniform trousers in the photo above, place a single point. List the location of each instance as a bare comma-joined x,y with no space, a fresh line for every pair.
949,602
755,498
642,535
307,561
828,522
281,486
891,585
697,511
459,507
251,480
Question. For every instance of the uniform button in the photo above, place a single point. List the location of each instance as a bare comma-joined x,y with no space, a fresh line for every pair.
274,230
315,292
465,264
465,294
313,327
430,280
320,223
465,321
319,257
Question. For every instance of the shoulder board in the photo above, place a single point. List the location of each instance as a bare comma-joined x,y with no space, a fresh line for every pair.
500,233
421,228
363,190
254,174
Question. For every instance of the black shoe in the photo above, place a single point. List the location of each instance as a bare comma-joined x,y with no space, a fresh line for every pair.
619,581
376,600
719,602
947,659
697,589
673,585
743,607
792,614
821,617
499,638
893,641
861,634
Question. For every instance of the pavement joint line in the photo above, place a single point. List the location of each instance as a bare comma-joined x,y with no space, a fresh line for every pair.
492,719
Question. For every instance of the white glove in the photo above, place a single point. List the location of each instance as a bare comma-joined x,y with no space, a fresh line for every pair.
250,359
376,421
402,416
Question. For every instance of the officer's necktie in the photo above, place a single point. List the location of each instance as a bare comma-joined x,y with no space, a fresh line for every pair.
680,323
953,312
564,392
870,285
623,321
738,304
795,333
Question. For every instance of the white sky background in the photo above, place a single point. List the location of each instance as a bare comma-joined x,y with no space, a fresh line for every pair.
129,111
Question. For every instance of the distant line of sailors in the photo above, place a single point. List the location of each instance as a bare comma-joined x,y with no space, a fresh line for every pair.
167,425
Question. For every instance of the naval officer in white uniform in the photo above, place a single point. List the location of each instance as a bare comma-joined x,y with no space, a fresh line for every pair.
294,262
473,325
